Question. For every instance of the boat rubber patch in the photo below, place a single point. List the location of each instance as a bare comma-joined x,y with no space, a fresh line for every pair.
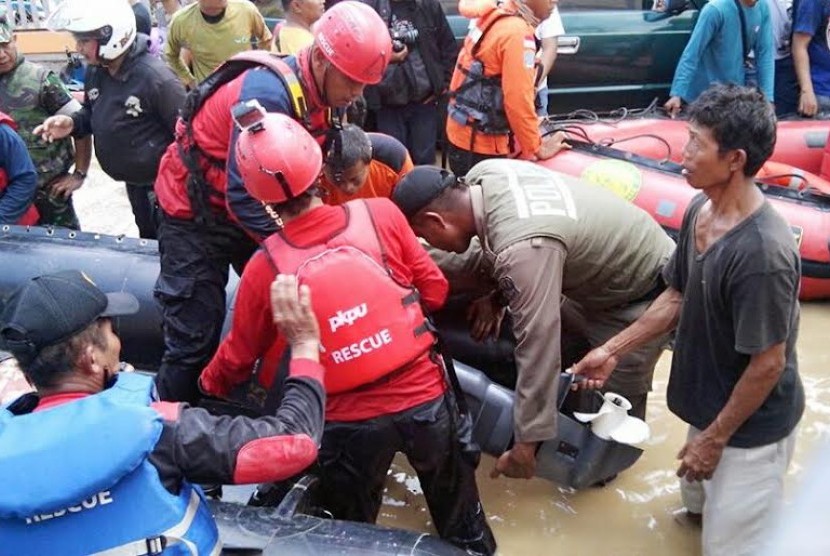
621,177
798,232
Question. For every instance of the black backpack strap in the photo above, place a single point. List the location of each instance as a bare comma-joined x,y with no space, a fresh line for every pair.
198,190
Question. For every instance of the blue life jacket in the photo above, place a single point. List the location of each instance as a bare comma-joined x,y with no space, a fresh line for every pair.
76,480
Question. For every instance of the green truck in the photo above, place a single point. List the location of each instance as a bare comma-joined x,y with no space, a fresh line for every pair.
614,52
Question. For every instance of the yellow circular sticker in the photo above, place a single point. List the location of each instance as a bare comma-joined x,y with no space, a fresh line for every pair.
621,177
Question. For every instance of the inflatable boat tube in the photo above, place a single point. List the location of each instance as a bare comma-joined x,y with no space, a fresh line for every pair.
800,143
287,530
658,187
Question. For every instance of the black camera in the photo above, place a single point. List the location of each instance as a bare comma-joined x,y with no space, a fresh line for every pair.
403,33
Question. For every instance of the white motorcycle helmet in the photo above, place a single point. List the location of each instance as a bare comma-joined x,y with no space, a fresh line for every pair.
110,22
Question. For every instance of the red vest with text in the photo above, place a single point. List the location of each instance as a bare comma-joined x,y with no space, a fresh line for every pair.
370,325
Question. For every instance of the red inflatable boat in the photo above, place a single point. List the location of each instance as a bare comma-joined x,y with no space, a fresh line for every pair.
657,186
800,143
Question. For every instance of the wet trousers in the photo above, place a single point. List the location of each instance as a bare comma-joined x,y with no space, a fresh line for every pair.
741,501
143,202
355,457
462,160
786,88
190,291
415,125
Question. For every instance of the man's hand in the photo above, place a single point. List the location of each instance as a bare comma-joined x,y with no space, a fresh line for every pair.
596,367
54,128
673,106
699,457
807,104
485,317
519,462
398,57
65,185
551,145
293,315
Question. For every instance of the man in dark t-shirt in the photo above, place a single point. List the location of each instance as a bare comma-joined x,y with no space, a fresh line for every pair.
732,296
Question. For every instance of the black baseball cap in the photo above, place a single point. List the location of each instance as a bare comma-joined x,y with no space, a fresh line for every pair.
419,187
49,309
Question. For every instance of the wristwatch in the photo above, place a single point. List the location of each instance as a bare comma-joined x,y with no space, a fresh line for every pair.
81,174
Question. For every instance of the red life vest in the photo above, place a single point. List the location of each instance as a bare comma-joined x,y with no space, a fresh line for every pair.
370,325
31,216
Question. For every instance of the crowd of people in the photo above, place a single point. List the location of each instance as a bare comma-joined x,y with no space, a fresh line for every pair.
238,158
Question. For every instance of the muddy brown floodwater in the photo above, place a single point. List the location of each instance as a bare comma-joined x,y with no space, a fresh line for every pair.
636,514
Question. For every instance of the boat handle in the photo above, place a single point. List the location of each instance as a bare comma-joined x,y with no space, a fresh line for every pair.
567,44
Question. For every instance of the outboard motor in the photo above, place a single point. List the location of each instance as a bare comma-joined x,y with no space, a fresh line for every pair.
576,457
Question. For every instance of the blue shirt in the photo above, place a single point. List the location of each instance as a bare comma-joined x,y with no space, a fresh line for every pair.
811,18
715,52
21,177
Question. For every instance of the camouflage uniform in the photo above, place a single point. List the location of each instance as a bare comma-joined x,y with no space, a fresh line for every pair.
30,93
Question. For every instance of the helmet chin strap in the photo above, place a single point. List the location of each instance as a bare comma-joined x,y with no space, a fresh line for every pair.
323,88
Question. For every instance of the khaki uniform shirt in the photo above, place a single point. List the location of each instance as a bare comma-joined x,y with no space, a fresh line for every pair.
546,235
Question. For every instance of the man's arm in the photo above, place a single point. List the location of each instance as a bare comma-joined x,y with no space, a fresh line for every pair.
173,54
549,31
82,119
168,101
765,56
426,276
260,31
807,20
66,184
661,317
204,448
807,104
547,57
83,153
529,274
700,457
252,332
55,99
708,23
518,78
467,272
21,177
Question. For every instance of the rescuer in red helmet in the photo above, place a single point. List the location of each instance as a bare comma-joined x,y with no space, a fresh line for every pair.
386,391
208,220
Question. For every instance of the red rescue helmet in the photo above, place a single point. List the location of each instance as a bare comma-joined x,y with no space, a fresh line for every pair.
356,41
277,158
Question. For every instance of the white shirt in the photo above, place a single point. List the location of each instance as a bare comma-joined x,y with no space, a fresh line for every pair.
547,29
550,27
